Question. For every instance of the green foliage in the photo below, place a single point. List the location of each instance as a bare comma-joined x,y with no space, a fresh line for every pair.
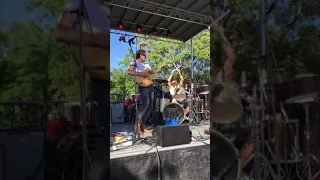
27,50
292,35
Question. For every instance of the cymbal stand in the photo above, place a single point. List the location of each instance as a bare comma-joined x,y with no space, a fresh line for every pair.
261,167
193,114
309,156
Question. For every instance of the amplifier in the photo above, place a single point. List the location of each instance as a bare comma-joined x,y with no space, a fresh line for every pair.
172,135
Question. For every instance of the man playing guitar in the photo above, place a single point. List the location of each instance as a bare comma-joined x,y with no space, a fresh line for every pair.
137,68
67,32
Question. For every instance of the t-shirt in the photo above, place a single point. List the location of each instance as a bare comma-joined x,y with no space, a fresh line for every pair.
99,15
173,90
140,66
99,19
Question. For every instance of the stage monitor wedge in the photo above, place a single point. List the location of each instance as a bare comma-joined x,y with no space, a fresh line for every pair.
172,135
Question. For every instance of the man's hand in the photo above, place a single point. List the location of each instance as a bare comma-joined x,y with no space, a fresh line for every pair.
144,74
152,71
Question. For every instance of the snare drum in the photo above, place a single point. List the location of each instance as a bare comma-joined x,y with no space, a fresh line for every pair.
174,110
180,95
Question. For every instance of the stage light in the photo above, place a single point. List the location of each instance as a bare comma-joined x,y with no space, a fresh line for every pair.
139,27
120,25
168,33
154,31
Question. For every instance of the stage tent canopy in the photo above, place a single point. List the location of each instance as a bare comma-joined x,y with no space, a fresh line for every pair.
183,18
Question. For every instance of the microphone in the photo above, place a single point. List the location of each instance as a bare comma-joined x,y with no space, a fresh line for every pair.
123,38
131,40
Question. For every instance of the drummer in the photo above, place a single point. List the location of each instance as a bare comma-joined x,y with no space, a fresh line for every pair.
174,86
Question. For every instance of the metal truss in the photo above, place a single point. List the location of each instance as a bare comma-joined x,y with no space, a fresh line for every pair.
163,10
131,34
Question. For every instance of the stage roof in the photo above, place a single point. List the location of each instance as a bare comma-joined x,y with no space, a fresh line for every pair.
184,18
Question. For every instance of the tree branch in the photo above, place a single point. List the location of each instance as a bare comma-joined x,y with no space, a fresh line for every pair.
271,8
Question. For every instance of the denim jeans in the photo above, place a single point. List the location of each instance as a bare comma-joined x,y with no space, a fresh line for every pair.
100,91
147,98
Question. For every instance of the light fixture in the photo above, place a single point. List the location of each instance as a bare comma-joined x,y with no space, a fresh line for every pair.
139,27
120,25
154,31
168,33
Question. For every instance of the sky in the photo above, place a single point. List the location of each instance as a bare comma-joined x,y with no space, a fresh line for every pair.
117,50
14,10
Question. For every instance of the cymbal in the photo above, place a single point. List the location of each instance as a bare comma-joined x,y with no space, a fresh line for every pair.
205,92
189,82
160,81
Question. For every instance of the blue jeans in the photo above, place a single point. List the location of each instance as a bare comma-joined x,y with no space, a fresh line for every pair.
100,90
147,98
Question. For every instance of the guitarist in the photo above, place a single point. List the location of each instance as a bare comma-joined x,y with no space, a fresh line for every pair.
137,68
67,31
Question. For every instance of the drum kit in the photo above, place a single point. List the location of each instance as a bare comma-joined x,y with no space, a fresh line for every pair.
187,105
272,148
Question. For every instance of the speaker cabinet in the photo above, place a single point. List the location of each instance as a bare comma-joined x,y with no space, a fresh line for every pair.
172,135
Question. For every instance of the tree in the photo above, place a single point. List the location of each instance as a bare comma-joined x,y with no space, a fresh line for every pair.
286,21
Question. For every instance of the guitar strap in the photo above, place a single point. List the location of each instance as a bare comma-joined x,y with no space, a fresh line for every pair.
147,66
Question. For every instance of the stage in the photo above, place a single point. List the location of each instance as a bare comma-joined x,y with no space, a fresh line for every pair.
140,161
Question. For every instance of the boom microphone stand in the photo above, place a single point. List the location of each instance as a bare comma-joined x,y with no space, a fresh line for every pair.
82,15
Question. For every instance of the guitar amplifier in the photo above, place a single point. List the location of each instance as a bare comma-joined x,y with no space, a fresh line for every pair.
172,135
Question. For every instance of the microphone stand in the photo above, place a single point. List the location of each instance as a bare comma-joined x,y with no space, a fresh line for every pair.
82,14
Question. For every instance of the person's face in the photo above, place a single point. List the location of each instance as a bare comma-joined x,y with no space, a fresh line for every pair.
174,83
143,57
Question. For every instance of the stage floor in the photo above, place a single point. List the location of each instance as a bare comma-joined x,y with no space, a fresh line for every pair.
126,150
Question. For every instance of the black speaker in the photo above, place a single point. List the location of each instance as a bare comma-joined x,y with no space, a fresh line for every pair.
172,135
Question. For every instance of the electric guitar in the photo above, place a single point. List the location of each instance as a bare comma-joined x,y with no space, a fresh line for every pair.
146,81
96,60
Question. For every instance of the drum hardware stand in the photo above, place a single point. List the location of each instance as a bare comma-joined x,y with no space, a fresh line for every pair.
207,112
194,115
309,156
257,133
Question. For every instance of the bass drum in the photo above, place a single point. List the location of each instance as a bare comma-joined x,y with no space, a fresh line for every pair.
174,110
224,158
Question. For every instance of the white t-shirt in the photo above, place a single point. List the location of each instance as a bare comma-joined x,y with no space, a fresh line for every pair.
172,90
140,66
99,15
